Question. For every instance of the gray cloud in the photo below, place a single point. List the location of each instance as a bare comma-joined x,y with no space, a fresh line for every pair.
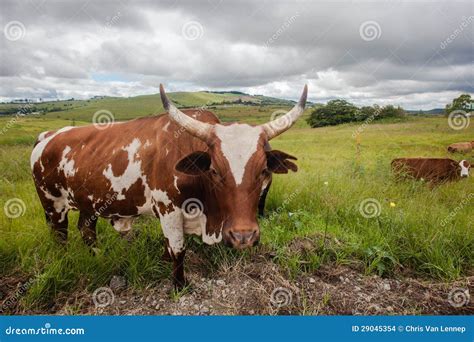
417,54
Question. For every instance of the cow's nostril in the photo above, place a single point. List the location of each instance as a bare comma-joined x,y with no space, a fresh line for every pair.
243,238
249,236
237,237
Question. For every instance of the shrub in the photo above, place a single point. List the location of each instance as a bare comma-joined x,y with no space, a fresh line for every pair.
333,113
336,112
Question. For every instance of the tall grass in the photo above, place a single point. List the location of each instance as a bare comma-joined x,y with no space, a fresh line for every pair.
319,202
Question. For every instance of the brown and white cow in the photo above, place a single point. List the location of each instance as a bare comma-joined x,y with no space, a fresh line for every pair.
196,174
433,170
461,147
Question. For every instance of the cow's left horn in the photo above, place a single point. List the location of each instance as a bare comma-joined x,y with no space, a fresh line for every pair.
195,127
282,123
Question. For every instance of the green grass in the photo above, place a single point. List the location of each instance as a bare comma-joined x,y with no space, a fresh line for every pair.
323,198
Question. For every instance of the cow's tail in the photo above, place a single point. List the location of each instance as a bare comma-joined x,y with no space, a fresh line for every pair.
41,137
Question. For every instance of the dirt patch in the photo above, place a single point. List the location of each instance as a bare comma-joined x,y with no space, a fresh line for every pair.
12,289
260,287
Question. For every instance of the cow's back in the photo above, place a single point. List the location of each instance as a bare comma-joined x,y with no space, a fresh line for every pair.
115,169
462,147
430,169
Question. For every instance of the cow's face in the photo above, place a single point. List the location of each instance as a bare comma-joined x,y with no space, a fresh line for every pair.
465,166
236,168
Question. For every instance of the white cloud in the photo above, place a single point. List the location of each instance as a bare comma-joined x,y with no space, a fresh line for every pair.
72,49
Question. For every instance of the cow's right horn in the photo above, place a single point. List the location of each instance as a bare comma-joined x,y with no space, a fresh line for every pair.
195,127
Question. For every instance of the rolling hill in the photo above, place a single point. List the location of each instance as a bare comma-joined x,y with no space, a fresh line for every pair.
124,108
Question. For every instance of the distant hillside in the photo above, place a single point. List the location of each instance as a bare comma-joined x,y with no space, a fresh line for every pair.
124,108
435,111
255,99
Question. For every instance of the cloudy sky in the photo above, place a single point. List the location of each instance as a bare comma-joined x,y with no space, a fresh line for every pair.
418,54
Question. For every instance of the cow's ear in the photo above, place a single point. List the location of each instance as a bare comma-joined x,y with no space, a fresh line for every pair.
194,164
277,162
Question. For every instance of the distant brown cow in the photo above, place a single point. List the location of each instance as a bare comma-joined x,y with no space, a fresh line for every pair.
462,147
434,170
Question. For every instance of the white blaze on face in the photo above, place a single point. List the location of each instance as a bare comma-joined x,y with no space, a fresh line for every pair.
238,143
464,169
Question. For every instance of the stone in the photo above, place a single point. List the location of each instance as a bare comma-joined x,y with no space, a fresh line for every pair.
118,283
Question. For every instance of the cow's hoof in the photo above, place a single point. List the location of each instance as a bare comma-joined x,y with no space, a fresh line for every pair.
180,285
59,236
60,240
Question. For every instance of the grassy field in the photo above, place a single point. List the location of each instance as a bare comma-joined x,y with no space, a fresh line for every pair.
323,199
123,108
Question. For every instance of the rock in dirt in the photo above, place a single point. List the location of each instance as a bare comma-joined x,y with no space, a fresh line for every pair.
118,283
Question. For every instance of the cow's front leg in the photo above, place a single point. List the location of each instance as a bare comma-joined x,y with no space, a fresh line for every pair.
173,230
166,254
179,281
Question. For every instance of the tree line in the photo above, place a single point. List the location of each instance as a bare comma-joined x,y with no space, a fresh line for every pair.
336,112
340,111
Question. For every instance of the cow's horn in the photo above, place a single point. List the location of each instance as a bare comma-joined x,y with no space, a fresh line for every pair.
195,127
282,123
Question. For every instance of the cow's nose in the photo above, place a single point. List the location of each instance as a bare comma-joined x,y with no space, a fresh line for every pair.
244,238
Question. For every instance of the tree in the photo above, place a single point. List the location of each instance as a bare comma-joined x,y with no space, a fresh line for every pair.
333,113
366,112
463,102
391,112
340,111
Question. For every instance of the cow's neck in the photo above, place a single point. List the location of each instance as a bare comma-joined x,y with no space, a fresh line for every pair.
215,216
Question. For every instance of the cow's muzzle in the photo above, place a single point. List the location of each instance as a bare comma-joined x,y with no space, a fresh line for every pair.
242,238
